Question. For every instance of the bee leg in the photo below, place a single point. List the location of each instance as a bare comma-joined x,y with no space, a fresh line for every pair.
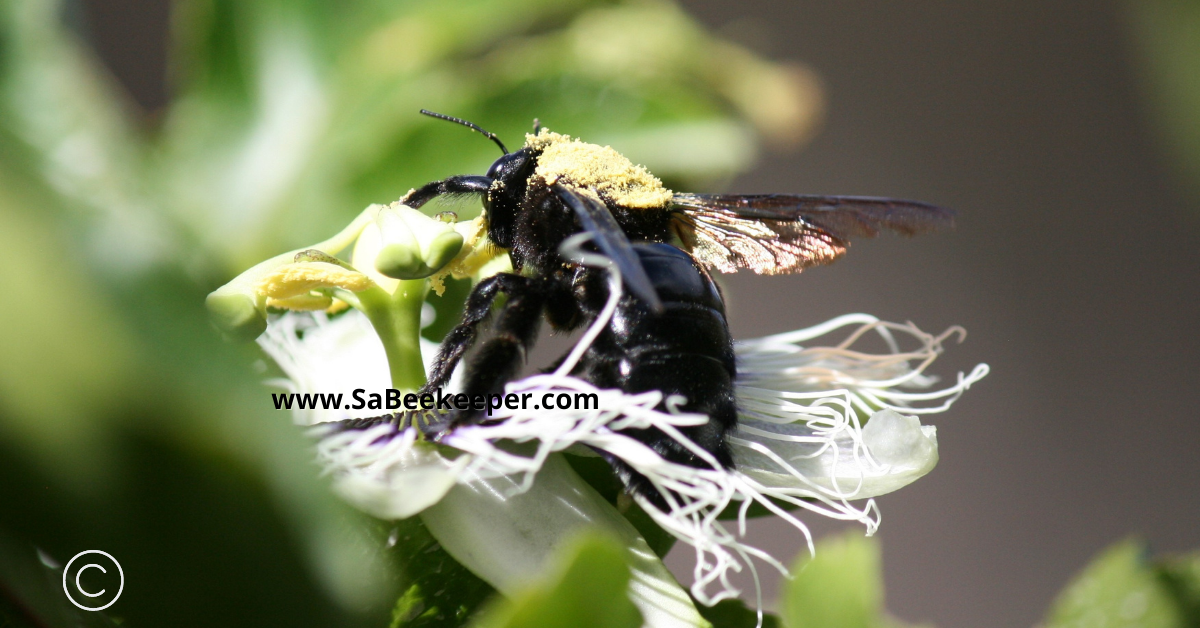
478,307
458,341
459,184
499,357
402,420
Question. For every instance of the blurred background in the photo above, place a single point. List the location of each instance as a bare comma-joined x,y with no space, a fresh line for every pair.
1055,130
205,137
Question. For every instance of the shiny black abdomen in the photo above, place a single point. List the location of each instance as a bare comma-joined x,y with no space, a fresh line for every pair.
685,350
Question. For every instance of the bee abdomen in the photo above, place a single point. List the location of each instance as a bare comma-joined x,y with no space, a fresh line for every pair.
684,350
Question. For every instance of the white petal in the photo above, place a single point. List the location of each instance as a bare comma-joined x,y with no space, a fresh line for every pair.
506,536
799,431
331,356
907,449
890,452
327,356
389,475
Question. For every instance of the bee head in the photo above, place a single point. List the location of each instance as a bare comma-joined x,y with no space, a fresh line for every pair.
510,165
509,175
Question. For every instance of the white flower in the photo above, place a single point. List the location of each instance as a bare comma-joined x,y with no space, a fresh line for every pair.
819,426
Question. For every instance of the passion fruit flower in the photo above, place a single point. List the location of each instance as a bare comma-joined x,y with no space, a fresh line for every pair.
820,426
398,254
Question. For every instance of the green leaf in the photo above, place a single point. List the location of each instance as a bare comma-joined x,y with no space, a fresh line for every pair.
735,614
656,537
1118,589
438,591
510,537
1181,576
841,586
588,590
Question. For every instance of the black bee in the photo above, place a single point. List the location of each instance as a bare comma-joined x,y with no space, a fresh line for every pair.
669,332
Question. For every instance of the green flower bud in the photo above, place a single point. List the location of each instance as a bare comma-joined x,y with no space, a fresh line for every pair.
413,245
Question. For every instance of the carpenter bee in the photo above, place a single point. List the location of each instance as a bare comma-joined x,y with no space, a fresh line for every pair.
669,331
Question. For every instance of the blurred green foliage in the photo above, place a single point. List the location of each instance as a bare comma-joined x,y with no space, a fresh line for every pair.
128,425
289,117
841,585
1122,588
588,591
1167,34
736,614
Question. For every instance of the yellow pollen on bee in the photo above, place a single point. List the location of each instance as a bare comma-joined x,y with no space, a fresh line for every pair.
477,251
614,177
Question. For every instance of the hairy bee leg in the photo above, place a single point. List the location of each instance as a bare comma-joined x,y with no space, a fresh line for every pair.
459,184
517,327
500,357
478,307
401,420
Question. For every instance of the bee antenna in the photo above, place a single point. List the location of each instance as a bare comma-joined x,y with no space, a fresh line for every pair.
469,125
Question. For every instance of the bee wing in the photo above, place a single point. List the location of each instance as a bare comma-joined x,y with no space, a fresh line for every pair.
775,234
607,234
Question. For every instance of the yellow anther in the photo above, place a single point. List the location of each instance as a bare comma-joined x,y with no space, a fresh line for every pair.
300,278
303,302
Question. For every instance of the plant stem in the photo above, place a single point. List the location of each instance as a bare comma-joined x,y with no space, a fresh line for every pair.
396,318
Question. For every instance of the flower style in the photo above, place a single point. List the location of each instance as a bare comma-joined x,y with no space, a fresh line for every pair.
819,426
